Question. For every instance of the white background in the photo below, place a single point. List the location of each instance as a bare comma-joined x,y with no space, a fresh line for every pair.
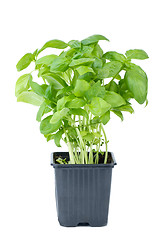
27,204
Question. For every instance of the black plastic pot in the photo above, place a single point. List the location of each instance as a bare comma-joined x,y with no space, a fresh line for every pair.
82,192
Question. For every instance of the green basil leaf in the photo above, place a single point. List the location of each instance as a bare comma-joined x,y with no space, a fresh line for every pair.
65,90
97,51
57,137
62,101
98,63
137,68
67,75
51,105
136,54
95,120
87,77
95,91
59,115
25,61
87,51
44,86
47,60
83,133
112,86
84,69
37,88
123,90
78,55
114,68
114,56
114,99
97,134
74,44
81,87
68,53
105,117
43,70
30,97
137,83
22,84
59,64
122,85
102,73
110,69
76,103
50,93
49,137
73,133
54,44
119,114
75,77
93,39
46,127
89,137
55,80
41,111
81,61
126,108
99,106
79,112
35,53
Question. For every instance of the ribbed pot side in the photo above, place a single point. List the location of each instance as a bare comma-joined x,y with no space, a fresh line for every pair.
82,193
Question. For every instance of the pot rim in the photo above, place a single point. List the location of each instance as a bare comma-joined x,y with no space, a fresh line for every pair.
101,165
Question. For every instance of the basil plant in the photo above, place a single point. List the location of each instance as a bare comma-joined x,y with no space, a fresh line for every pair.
77,90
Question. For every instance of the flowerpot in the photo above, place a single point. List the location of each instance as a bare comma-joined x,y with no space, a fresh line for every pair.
82,191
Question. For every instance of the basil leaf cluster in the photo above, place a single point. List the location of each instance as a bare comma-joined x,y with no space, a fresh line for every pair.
78,90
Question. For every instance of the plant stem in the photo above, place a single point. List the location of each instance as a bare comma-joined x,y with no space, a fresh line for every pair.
98,145
91,154
91,151
71,155
80,123
76,156
106,152
82,146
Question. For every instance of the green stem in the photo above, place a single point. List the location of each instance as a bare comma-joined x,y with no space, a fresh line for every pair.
106,152
80,123
91,154
82,154
98,145
76,156
82,145
71,155
91,143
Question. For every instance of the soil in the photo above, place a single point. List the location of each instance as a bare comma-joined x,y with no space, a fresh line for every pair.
65,155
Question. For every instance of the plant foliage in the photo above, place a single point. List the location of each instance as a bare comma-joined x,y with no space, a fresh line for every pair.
81,87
